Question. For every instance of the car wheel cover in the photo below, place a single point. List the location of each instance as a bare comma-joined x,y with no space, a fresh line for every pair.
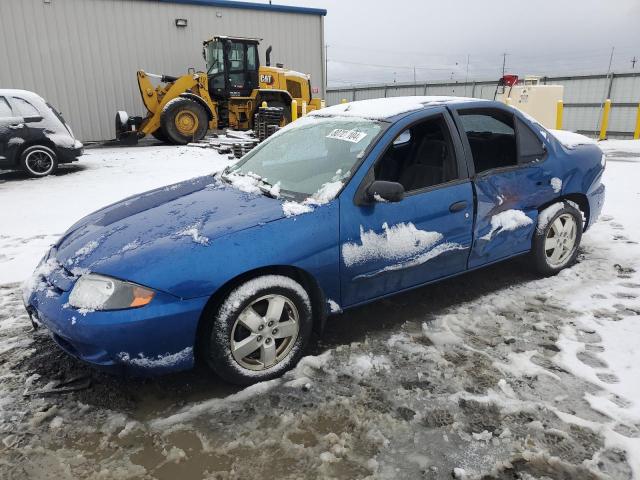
39,162
265,332
560,241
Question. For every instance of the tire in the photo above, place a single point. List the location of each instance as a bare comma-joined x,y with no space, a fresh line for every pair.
160,136
243,343
183,121
286,109
557,238
38,161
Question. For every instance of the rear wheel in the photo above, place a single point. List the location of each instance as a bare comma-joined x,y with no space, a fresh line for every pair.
286,112
159,135
557,238
260,330
183,121
38,161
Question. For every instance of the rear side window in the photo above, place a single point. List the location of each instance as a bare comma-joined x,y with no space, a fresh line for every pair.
5,109
530,146
492,138
25,109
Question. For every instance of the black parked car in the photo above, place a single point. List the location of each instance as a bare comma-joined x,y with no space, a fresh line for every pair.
33,135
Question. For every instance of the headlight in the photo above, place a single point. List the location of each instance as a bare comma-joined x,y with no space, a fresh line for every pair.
97,292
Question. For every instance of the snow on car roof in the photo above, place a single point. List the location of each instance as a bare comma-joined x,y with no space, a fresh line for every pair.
19,93
381,108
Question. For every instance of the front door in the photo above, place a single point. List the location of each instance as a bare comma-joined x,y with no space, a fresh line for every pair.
511,181
388,247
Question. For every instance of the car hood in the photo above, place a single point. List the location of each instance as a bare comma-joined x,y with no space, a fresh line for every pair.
165,225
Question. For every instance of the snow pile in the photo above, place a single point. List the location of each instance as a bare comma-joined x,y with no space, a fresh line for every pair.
572,140
324,195
35,282
245,183
83,252
547,214
506,221
193,231
159,361
556,184
381,108
333,306
291,209
397,242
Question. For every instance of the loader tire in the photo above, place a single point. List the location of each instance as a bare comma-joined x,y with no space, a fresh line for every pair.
286,112
183,121
160,136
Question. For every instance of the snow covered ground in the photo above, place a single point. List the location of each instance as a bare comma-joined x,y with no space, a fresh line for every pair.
497,374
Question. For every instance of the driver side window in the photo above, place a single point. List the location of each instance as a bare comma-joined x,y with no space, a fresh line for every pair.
421,156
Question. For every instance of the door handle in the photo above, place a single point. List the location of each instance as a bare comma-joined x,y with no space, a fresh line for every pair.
16,126
458,206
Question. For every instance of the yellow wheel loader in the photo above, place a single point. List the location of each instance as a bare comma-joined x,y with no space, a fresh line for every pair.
229,94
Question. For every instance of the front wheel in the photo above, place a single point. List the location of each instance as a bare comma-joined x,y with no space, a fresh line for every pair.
557,238
260,330
183,120
38,161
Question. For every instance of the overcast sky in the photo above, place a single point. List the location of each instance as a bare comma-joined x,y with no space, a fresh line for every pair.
376,41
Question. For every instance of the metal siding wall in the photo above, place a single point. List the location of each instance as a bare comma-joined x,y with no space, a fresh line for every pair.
577,92
82,55
369,94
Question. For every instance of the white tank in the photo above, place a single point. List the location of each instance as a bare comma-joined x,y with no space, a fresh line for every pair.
539,101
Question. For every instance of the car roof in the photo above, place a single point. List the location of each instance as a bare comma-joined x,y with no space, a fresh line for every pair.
391,108
26,94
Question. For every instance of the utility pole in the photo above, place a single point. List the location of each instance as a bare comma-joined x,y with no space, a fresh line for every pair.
415,82
466,77
504,63
633,62
607,90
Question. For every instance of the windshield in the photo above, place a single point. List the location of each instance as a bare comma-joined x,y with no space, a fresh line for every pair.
309,154
214,56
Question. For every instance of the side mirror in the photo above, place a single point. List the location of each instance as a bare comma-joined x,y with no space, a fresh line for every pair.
33,119
381,191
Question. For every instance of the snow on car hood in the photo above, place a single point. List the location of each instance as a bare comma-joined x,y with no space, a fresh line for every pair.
162,225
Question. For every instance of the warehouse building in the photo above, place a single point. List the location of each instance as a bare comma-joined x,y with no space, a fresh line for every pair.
82,55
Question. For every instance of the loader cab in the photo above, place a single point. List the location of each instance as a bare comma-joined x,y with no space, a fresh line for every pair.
232,66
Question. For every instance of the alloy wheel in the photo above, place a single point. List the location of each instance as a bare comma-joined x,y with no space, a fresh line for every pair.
560,240
265,332
39,162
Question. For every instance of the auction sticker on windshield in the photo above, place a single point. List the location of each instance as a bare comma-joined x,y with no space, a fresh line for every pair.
353,136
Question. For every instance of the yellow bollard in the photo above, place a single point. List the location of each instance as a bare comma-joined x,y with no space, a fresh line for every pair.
636,133
323,104
344,100
559,112
304,108
264,105
507,101
294,110
605,119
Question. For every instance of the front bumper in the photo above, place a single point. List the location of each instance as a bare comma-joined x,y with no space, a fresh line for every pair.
155,339
70,154
596,201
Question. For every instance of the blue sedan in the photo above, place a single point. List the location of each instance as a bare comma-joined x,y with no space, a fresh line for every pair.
348,205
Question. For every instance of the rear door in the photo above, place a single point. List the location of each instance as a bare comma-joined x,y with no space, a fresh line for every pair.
13,132
510,179
388,247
